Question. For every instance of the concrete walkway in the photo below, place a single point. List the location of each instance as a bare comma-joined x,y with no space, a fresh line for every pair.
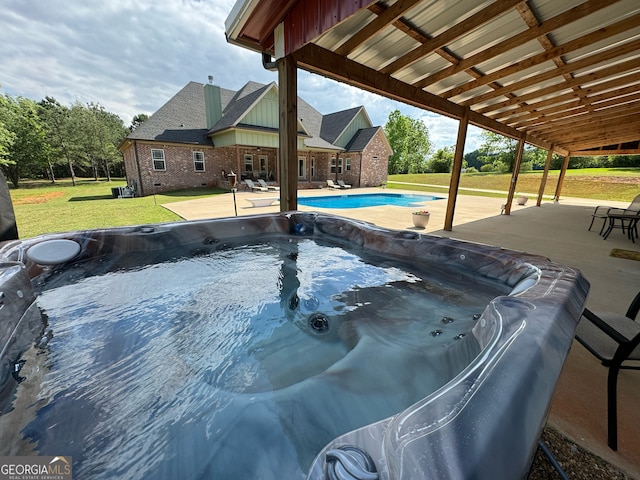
555,230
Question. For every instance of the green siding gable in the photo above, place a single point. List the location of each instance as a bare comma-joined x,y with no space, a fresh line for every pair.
265,112
359,122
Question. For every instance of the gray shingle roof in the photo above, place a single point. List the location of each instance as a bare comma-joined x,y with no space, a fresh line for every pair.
183,118
361,139
334,124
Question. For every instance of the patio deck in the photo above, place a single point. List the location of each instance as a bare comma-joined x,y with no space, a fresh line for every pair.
555,230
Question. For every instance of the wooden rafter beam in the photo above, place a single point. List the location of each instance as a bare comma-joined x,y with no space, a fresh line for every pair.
416,34
558,21
619,150
618,118
617,129
595,142
495,9
318,60
556,113
543,57
384,19
615,133
603,73
539,111
583,63
546,41
629,84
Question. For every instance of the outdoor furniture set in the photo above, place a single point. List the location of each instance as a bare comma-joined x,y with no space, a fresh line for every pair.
624,218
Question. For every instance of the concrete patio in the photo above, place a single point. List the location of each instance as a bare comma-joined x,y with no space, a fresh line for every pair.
555,230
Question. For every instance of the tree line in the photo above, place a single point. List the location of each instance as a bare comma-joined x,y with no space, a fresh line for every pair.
48,140
413,152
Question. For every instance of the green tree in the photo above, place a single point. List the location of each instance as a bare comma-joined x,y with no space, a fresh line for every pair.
27,155
442,160
102,133
409,139
498,150
7,137
533,158
60,132
137,121
473,159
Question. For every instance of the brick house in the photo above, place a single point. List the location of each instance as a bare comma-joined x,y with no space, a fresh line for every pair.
205,131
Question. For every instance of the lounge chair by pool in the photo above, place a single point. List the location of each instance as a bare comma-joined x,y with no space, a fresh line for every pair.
264,184
255,188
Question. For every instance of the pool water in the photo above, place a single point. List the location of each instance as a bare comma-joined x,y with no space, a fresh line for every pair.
367,200
242,361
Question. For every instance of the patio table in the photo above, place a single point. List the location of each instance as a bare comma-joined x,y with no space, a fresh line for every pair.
628,221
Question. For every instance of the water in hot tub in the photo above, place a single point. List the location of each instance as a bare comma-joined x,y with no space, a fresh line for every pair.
242,363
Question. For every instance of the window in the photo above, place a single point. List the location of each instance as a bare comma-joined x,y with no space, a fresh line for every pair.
333,165
302,167
248,163
157,157
264,166
313,167
198,161
340,160
347,165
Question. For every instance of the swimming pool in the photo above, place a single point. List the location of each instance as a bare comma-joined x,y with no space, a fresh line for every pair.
367,200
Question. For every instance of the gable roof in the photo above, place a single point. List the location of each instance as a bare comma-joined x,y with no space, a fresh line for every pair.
334,124
361,139
183,118
238,105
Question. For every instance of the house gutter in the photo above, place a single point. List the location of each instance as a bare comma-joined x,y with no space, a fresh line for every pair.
268,63
238,17
135,155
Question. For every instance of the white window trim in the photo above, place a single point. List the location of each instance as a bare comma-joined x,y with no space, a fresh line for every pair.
248,158
153,160
195,161
302,161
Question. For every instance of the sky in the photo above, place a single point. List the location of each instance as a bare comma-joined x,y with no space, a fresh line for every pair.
132,56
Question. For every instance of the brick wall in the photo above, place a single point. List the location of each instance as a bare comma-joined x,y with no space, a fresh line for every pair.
180,171
374,170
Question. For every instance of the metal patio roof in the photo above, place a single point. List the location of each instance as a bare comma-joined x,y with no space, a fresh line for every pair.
562,74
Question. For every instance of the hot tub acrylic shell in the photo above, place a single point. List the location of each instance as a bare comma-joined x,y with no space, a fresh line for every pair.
484,423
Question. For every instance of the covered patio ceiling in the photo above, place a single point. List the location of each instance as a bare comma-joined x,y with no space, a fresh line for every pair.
563,75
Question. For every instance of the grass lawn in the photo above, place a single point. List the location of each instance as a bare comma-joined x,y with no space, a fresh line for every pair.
47,208
619,184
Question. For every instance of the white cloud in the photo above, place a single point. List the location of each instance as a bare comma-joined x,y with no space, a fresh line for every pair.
131,57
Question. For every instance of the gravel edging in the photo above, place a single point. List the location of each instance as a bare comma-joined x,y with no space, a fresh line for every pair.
576,462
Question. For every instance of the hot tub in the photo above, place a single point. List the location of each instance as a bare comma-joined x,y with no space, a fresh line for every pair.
280,346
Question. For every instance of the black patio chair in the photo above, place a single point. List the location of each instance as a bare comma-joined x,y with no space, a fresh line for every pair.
614,339
602,212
